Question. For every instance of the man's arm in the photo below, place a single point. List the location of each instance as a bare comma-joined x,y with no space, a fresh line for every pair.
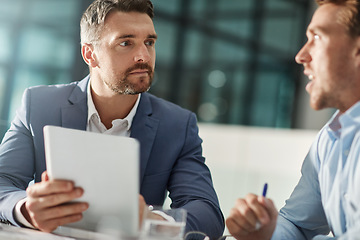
17,162
18,165
303,216
191,187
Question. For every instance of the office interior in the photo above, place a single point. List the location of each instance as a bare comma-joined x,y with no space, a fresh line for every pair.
229,61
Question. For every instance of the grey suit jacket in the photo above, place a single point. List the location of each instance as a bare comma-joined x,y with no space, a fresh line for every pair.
171,152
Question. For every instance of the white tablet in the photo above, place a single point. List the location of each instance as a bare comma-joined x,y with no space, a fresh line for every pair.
106,167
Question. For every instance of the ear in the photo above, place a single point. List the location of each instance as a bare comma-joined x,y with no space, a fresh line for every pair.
357,51
88,54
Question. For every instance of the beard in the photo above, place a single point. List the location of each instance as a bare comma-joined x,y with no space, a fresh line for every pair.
125,86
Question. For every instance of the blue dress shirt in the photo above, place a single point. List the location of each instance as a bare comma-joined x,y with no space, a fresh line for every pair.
327,196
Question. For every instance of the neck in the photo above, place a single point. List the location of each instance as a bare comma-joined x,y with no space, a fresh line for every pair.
116,106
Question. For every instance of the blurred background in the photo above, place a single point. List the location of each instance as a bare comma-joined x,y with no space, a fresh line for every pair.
229,61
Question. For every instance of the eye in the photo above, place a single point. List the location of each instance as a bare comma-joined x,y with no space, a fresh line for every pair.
150,43
124,44
316,37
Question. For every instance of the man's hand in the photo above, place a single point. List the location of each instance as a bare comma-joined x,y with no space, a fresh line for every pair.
252,218
143,209
145,212
48,204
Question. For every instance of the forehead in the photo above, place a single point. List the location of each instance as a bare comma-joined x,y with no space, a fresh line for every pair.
128,23
326,19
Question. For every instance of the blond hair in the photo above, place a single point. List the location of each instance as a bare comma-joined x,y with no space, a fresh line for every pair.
349,16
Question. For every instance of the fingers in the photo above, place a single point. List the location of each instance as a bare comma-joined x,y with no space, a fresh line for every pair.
142,209
49,205
250,215
242,218
48,217
142,202
51,224
49,187
36,202
253,211
270,207
63,210
258,210
44,176
237,223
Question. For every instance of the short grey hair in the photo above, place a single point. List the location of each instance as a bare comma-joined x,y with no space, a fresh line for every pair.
92,21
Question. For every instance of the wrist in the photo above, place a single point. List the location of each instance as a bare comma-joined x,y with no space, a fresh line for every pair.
21,214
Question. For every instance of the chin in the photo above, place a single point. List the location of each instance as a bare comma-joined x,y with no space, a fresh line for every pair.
317,105
314,104
316,108
136,91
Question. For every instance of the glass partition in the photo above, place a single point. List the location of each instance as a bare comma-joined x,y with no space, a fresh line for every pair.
230,62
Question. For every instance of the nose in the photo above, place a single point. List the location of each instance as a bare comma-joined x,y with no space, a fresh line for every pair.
303,56
142,54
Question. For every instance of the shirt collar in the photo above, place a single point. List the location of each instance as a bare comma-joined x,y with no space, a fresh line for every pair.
92,110
342,120
352,115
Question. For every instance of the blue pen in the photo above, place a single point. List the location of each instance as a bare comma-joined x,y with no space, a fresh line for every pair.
258,224
265,190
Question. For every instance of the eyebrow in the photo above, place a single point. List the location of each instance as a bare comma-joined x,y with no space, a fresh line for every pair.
153,36
316,29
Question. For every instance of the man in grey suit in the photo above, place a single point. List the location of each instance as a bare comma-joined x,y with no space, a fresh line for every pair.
118,39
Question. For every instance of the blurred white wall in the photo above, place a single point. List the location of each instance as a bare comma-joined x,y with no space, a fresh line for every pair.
242,159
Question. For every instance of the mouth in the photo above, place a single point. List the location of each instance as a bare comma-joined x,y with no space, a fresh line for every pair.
310,84
309,74
140,71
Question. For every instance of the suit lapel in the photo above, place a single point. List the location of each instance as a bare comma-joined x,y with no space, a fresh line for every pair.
75,114
144,128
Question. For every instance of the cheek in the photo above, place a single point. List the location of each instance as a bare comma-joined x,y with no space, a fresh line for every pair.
153,63
321,62
152,58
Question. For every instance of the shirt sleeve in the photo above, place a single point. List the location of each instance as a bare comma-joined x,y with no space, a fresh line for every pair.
303,216
352,233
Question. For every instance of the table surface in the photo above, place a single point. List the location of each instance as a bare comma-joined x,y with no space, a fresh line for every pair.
9,232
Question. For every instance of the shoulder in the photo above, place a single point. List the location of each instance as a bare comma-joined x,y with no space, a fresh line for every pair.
73,92
58,89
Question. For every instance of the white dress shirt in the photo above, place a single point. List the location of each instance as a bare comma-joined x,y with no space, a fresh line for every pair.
120,127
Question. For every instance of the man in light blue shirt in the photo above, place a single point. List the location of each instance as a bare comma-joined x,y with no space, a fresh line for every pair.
328,194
